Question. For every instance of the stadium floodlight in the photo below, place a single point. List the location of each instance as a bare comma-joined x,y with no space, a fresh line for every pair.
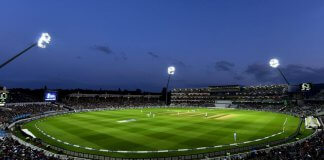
44,40
274,63
171,71
41,43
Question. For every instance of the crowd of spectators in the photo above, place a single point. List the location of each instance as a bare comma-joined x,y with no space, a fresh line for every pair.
302,111
270,107
208,96
306,110
311,149
19,95
11,149
13,112
94,104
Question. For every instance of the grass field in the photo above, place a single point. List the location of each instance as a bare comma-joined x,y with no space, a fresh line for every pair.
170,129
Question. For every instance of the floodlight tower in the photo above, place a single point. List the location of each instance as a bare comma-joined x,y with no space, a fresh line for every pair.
171,71
274,63
41,43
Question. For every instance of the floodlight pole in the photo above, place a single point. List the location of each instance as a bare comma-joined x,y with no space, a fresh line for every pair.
283,75
19,54
166,91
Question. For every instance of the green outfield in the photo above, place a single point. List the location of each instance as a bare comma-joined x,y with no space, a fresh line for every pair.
160,129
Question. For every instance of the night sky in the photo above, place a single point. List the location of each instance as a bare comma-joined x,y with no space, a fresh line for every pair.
129,44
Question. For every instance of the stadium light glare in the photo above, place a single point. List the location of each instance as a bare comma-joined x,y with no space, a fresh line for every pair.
171,70
274,63
44,40
41,43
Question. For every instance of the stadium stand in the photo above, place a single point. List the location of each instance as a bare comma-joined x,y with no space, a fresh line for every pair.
19,111
269,98
25,95
92,101
10,149
271,94
311,149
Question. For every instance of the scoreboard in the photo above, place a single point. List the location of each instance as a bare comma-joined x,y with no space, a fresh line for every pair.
50,96
3,98
306,87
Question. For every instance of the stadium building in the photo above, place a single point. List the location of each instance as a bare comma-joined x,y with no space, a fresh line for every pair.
236,94
114,97
240,95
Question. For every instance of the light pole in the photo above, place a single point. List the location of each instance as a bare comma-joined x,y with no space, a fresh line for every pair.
274,63
41,43
171,71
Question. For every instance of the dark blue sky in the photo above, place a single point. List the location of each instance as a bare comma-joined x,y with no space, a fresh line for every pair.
129,44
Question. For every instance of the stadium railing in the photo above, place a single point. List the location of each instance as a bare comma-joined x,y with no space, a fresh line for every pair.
47,153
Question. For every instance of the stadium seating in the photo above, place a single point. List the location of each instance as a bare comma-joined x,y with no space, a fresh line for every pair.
311,149
308,150
12,150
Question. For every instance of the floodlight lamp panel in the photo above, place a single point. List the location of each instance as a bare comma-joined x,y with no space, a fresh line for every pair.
274,63
171,70
44,40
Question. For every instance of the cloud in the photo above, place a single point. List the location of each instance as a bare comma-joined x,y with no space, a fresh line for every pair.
103,49
261,72
179,63
123,56
224,66
108,51
238,77
294,73
153,55
120,56
299,73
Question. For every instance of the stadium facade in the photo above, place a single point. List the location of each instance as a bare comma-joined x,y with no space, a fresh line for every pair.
207,96
237,94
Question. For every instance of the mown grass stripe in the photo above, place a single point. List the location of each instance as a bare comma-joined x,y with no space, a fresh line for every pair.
100,130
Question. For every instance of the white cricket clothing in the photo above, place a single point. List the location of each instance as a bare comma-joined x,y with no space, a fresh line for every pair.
235,136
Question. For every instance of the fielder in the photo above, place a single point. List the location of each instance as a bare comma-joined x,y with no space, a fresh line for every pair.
235,136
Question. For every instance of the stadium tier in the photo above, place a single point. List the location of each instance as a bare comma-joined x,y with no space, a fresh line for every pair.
88,101
252,95
271,94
